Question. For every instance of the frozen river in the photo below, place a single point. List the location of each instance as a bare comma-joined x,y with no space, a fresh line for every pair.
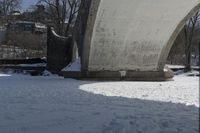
56,105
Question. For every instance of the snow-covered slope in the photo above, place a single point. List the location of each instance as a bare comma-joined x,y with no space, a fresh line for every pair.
75,66
56,105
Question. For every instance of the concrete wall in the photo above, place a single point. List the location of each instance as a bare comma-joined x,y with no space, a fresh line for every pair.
2,35
59,51
133,34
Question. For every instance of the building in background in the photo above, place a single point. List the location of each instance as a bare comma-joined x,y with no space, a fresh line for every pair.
27,26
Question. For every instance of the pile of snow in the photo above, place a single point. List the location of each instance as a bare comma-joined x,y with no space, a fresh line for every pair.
192,73
175,66
75,66
47,73
180,66
4,75
181,71
54,104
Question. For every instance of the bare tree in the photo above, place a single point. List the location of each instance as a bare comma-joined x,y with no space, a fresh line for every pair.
6,6
189,34
74,6
62,13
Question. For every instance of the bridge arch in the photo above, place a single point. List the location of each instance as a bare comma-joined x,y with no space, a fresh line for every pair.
166,49
131,35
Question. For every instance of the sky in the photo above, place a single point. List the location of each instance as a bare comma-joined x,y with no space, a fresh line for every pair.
27,3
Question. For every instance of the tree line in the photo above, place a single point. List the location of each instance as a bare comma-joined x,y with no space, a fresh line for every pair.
189,30
62,13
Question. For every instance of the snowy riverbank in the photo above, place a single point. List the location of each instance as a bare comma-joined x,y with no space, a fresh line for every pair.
53,104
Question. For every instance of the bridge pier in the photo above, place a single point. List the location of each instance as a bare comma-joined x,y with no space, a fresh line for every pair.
134,36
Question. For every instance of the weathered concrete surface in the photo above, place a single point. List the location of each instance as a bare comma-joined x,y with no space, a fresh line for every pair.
135,34
131,36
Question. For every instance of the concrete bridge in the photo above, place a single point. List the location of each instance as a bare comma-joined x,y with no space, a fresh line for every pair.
129,39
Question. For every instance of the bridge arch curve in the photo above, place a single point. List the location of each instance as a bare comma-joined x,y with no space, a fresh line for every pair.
169,44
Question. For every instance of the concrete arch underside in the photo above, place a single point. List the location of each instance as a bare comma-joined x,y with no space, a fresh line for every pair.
134,36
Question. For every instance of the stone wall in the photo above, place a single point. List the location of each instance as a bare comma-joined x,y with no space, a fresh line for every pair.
22,45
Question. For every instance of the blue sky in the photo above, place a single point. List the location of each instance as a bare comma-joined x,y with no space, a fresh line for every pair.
26,3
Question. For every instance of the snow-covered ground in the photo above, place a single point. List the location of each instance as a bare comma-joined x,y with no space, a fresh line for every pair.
56,105
180,66
75,66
